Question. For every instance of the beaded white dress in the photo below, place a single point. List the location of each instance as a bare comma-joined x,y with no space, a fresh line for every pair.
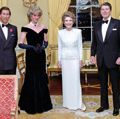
70,54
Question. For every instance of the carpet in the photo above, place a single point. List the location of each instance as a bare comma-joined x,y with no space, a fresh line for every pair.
58,112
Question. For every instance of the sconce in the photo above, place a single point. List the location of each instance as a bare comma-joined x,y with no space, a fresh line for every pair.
29,3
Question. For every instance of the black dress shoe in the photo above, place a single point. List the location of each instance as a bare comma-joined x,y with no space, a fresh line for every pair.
115,112
101,109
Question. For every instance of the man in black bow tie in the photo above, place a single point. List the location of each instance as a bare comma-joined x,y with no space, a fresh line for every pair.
106,47
106,21
3,25
8,42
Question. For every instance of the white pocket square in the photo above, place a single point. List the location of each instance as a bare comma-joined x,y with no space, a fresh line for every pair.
12,35
114,29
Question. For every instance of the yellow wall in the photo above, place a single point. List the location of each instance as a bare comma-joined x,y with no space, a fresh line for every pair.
19,12
117,8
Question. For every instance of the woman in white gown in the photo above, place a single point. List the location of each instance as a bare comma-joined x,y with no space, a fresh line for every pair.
69,59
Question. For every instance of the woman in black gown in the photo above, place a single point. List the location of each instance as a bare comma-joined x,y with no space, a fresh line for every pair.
35,96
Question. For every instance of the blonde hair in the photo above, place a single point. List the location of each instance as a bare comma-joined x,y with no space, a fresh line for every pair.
32,10
68,14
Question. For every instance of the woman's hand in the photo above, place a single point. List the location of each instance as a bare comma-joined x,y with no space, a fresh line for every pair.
118,61
59,64
81,63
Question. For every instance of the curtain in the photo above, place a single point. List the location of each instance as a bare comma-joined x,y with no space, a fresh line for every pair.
55,12
3,3
102,1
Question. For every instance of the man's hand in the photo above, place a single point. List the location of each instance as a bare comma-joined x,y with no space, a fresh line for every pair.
118,61
93,60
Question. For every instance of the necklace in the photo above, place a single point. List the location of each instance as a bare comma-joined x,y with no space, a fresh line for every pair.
34,24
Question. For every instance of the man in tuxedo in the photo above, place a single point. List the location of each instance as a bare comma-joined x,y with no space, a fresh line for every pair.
8,42
106,48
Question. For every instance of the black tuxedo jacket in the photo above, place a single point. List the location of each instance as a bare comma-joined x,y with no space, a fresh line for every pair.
7,48
109,50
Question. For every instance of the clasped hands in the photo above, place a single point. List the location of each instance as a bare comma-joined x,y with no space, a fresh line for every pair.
37,48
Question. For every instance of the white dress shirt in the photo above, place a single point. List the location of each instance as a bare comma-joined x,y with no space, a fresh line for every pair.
104,28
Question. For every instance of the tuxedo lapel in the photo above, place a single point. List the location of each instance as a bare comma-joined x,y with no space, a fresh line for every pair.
109,30
2,35
99,32
9,34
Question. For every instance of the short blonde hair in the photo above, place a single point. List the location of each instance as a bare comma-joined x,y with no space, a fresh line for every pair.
68,14
32,10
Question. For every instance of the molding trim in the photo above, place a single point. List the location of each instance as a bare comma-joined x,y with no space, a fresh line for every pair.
29,3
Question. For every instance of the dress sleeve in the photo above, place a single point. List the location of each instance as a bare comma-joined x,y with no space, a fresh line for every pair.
24,29
80,46
59,47
45,31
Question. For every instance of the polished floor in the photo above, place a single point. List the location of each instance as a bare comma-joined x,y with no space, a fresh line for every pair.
89,88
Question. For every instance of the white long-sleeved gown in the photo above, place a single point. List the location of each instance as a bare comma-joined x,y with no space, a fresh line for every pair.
70,54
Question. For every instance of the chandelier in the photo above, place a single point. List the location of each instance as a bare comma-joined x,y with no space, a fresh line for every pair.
29,3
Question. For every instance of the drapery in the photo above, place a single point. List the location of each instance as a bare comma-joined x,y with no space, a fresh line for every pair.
55,12
101,1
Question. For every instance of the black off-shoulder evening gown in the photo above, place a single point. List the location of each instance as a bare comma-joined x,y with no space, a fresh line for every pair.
35,97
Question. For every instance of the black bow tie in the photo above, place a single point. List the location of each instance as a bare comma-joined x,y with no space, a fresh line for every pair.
3,25
104,21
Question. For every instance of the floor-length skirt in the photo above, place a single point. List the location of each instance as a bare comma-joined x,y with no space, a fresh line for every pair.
71,87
